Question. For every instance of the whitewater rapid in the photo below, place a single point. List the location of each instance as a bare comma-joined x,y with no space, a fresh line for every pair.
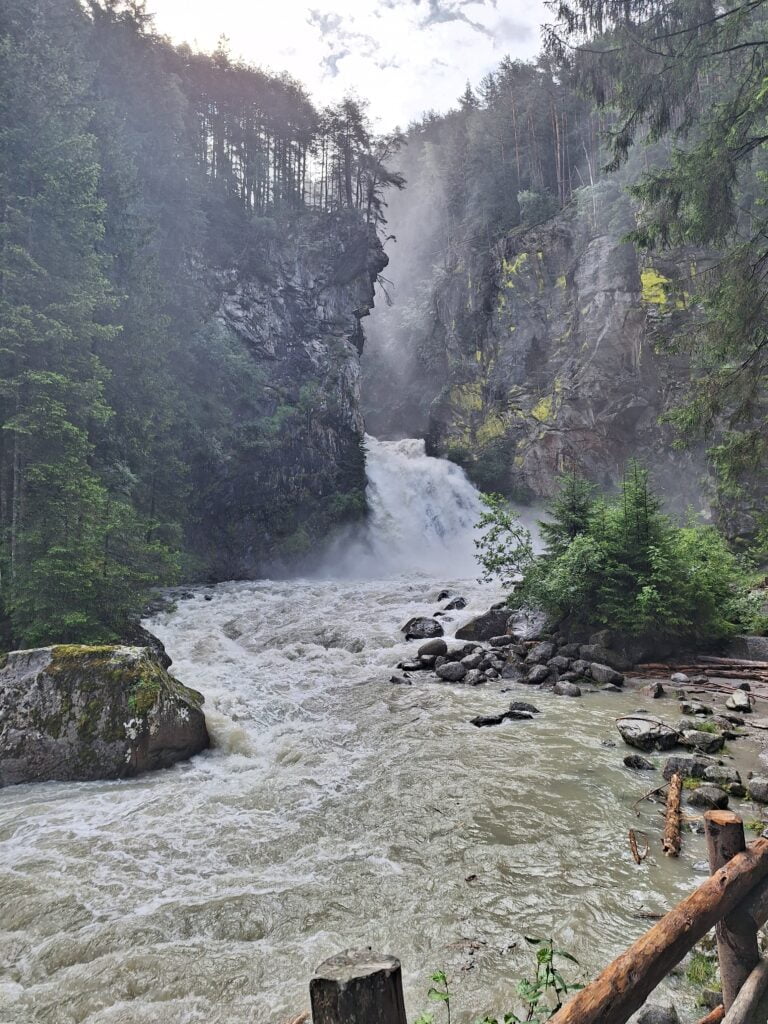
335,810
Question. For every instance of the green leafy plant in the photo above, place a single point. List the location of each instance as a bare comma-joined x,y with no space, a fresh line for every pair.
505,546
438,993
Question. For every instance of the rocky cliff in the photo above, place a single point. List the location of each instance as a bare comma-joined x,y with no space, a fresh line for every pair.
290,325
552,356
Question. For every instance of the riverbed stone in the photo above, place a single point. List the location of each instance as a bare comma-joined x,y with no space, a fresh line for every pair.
709,797
434,647
679,677
654,1013
428,660
513,672
473,660
422,628
398,680
483,721
502,641
686,767
604,656
537,675
474,677
638,763
580,667
568,650
605,674
483,627
452,671
524,705
456,605
559,663
757,789
739,701
654,690
721,774
77,713
492,673
707,742
566,689
540,653
647,733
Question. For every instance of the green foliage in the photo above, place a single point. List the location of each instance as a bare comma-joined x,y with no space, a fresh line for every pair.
701,970
504,548
536,207
620,562
542,995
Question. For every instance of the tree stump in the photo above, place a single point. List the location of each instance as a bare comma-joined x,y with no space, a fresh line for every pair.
736,934
358,987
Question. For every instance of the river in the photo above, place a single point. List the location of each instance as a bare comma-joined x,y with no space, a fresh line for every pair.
335,810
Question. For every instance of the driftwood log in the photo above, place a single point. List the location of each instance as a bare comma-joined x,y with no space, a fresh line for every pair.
714,1016
624,985
672,842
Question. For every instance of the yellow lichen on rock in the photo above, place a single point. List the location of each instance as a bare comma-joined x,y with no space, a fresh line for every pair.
654,286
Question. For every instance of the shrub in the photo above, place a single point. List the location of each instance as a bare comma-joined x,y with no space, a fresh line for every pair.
621,562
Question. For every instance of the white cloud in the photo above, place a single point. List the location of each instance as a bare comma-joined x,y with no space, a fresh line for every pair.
405,56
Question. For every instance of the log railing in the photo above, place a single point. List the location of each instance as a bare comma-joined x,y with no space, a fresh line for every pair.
361,987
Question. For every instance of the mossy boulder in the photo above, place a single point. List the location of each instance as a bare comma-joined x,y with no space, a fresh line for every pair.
73,713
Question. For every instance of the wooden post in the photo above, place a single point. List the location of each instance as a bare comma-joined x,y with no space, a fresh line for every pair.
736,934
671,844
744,1006
625,984
358,987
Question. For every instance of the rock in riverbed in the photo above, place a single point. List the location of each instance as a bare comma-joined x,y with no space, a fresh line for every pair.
432,648
647,733
73,713
739,701
452,671
422,628
638,763
708,797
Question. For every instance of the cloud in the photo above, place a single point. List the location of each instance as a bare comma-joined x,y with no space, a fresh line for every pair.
404,56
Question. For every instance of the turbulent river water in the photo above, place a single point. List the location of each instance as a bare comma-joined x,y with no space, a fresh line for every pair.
335,810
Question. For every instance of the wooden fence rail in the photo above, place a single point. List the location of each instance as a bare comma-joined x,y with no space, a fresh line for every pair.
365,988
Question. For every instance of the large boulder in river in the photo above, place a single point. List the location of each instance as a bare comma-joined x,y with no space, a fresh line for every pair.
483,627
647,733
422,628
74,713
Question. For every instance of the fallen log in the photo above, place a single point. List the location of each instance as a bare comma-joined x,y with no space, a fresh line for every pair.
625,984
743,1008
672,842
712,660
714,1016
637,856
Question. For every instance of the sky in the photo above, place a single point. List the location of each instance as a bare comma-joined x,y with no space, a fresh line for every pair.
404,56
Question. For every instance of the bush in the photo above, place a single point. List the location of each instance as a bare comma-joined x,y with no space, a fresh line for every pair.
622,563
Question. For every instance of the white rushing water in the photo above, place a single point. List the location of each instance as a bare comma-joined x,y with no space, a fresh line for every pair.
335,810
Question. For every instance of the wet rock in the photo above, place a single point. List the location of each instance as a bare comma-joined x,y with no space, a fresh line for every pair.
647,733
559,663
483,627
708,797
472,660
735,719
611,688
654,1013
696,709
679,677
568,677
707,742
654,690
721,774
513,671
428,660
482,721
604,656
580,666
605,674
400,680
566,689
744,686
411,666
474,677
757,789
750,648
739,701
540,653
443,595
537,675
433,647
422,628
452,671
492,673
686,767
607,743
737,790
638,763
502,641
569,650
441,659
524,705
75,713
456,605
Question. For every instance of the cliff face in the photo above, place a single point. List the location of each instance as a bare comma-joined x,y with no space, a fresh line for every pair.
552,357
292,325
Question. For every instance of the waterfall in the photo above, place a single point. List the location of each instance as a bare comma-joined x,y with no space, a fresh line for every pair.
422,516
